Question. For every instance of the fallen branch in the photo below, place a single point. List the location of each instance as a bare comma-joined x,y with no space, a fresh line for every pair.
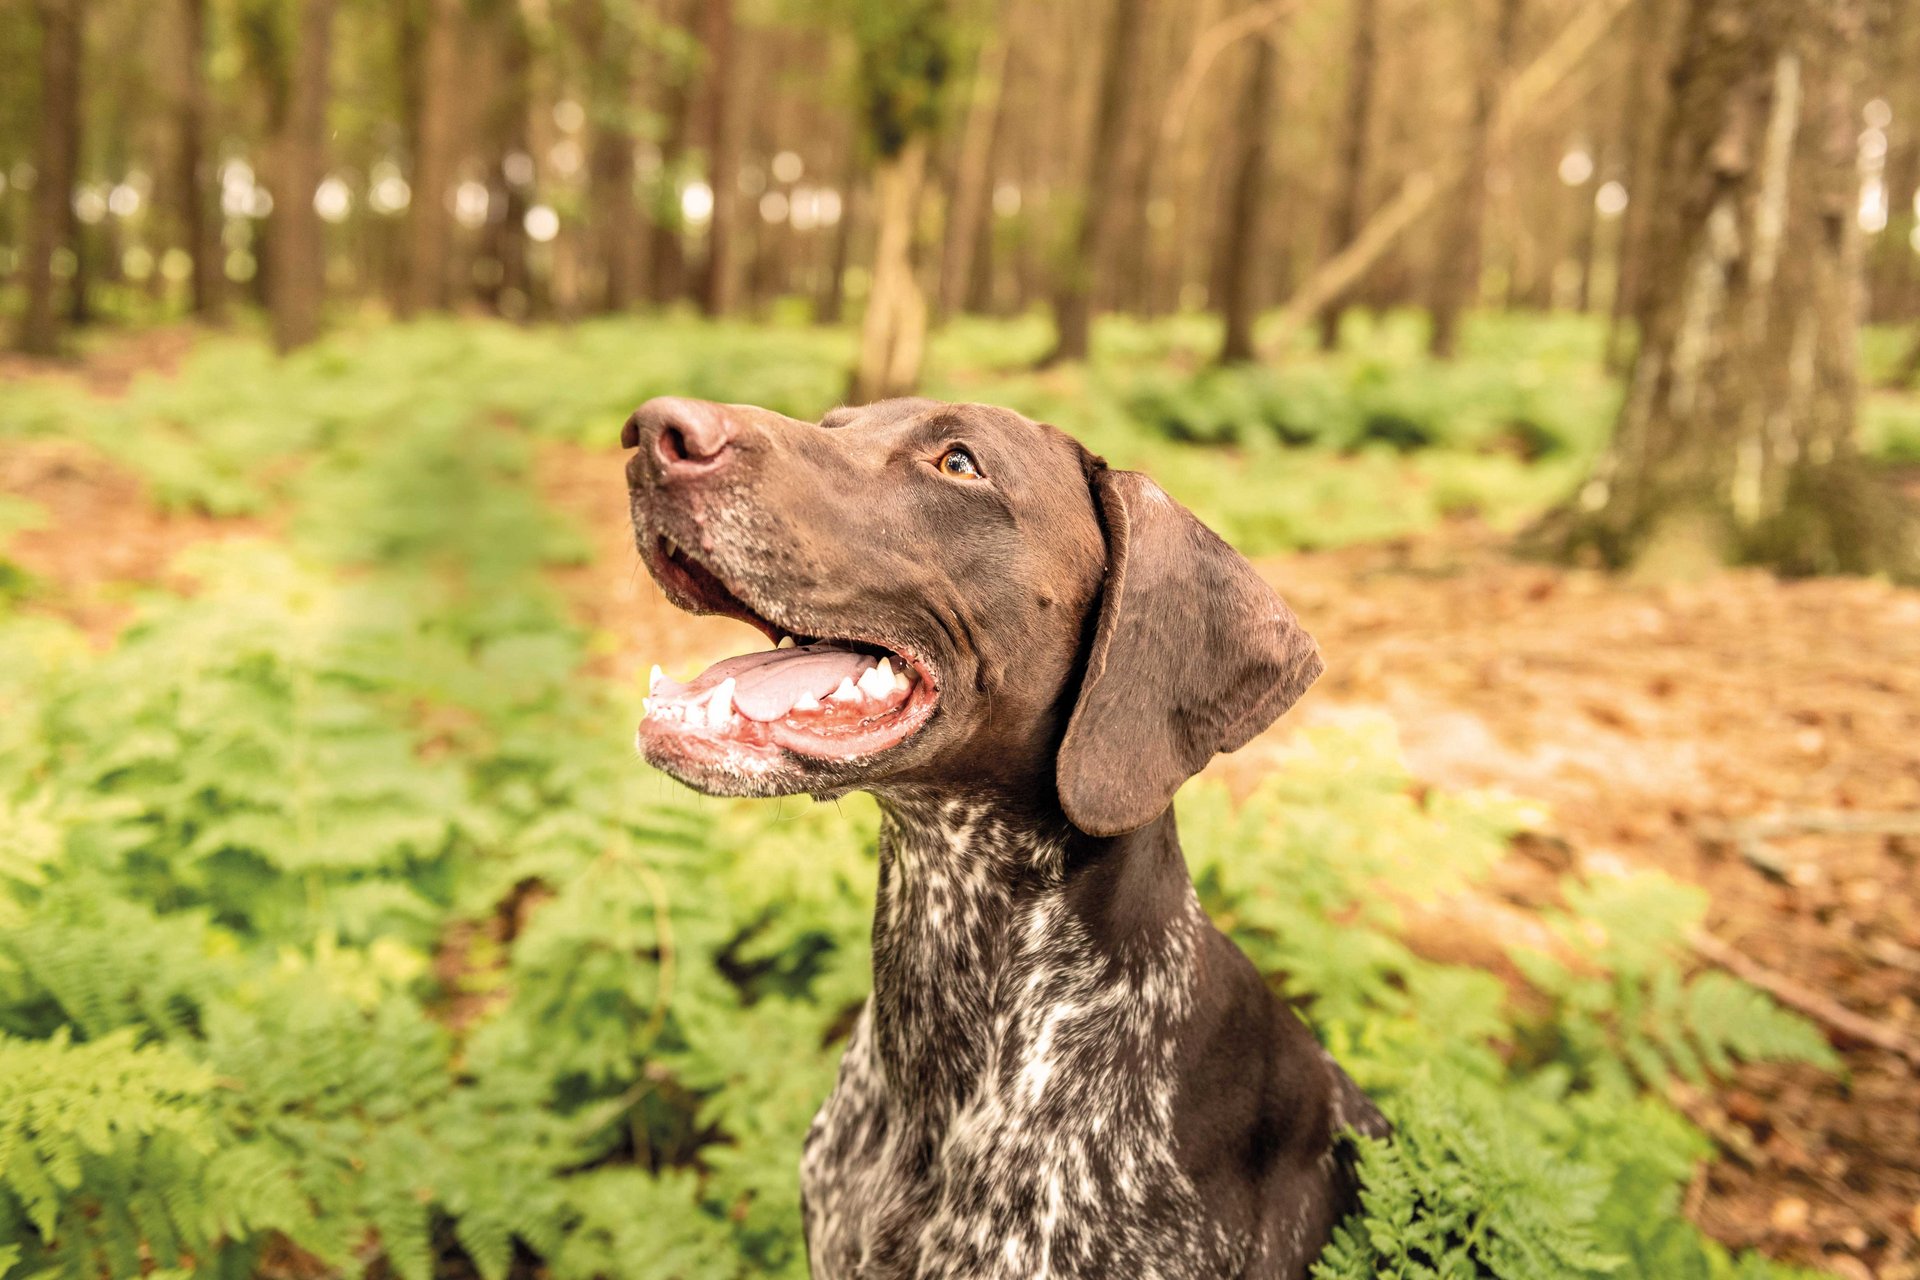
1803,998
1417,194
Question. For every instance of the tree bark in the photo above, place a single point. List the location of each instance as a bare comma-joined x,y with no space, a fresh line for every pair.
1096,215
1736,441
1457,269
893,333
508,289
199,220
973,176
299,153
51,222
723,155
613,215
1240,249
429,219
1647,105
1355,134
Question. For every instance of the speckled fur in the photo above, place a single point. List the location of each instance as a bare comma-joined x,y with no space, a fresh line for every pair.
1005,1105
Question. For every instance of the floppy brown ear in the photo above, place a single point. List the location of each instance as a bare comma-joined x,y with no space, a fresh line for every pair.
1192,654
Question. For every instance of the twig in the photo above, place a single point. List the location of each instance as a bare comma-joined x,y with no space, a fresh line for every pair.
1749,835
1417,194
1805,999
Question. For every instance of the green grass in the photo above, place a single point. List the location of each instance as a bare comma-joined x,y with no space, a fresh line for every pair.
335,911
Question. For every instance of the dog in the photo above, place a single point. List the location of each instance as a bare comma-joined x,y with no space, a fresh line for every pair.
1064,1070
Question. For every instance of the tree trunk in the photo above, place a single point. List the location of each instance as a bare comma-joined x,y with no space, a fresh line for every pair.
429,219
830,305
56,157
893,333
1096,215
299,155
1647,106
199,223
1457,271
1356,131
613,215
508,287
1241,253
972,178
723,155
1736,441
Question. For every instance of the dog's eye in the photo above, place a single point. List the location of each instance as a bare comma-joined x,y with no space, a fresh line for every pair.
958,462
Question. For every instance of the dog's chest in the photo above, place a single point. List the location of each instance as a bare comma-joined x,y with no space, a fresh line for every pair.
1005,1104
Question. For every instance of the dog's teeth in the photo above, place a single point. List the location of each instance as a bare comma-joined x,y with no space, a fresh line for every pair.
786,642
877,681
654,677
720,705
901,680
806,702
646,707
847,692
695,714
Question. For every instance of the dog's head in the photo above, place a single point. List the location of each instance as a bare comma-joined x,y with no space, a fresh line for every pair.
958,599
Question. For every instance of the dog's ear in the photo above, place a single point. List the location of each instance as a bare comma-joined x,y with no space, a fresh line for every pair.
1192,654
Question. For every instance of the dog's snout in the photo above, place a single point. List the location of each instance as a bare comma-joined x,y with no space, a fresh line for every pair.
686,437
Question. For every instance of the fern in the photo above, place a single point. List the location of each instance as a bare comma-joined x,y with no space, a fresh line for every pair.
70,1112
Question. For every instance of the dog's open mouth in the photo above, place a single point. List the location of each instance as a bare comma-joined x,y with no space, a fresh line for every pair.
828,697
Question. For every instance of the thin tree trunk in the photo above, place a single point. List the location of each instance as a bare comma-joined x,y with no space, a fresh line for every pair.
613,218
830,306
893,333
429,219
1356,131
1241,252
1096,216
972,179
1736,440
1457,274
199,225
1587,243
508,290
299,159
723,155
51,222
666,254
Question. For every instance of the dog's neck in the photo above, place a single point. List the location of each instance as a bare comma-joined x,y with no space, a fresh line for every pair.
990,921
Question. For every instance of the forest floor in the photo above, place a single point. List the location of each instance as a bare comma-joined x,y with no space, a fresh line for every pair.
1647,718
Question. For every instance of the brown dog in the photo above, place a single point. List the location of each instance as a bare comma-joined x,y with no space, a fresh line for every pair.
1064,1070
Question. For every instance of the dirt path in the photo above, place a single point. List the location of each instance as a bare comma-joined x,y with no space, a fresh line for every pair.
1644,716
96,538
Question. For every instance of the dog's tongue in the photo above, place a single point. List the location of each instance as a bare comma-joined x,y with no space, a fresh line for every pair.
767,684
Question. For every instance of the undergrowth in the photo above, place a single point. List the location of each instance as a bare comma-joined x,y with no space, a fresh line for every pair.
338,923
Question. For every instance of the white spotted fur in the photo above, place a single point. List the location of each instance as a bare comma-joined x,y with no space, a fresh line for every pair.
1005,1104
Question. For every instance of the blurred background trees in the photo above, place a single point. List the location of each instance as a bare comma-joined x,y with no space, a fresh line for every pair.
909,162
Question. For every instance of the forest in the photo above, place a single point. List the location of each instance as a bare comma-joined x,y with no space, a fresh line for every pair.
1557,360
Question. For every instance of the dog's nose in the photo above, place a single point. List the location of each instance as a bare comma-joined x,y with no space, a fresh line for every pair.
687,437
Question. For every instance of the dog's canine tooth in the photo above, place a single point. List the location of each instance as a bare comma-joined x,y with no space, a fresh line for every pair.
805,702
654,677
720,705
847,692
